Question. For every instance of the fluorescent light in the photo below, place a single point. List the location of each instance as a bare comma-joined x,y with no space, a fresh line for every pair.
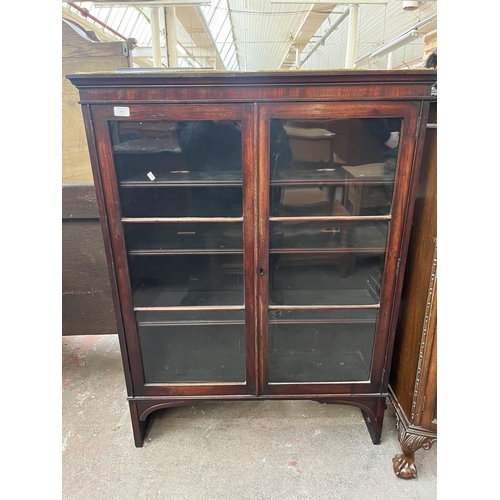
416,31
389,47
395,44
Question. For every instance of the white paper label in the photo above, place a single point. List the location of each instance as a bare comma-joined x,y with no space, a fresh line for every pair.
151,176
121,111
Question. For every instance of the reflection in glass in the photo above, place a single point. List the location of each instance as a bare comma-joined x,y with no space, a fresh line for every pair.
351,161
335,168
184,237
181,169
334,278
181,201
361,236
339,168
193,347
321,346
186,280
205,146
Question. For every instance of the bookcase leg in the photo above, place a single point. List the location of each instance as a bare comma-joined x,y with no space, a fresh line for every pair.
139,427
372,409
374,425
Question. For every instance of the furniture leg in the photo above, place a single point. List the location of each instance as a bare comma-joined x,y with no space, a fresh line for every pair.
139,427
404,463
372,409
374,422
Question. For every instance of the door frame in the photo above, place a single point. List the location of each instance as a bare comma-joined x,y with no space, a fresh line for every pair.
396,244
101,115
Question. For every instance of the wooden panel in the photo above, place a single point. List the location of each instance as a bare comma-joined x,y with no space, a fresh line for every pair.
427,411
87,305
79,202
417,277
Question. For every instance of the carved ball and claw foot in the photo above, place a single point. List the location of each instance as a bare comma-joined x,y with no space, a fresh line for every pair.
404,463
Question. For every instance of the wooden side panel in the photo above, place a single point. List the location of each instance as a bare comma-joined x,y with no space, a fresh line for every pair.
417,276
87,305
426,413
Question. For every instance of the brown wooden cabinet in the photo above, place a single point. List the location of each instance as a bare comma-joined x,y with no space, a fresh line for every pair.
413,381
240,269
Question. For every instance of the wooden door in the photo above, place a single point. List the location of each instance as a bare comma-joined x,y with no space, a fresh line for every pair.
178,188
333,214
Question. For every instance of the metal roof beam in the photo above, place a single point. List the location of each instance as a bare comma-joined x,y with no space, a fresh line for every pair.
321,42
307,29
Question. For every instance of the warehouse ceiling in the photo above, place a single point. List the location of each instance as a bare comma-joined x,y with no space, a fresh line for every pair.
253,35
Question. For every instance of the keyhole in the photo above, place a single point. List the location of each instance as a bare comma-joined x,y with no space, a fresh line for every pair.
261,272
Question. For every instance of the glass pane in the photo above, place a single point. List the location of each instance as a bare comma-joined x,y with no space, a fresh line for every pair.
175,169
182,170
181,202
334,278
178,169
187,280
194,347
361,236
333,166
183,237
321,346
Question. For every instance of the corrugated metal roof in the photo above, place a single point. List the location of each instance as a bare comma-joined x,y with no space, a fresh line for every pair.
265,32
377,25
252,35
220,25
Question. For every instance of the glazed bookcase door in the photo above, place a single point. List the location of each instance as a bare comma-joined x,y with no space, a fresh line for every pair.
333,205
178,185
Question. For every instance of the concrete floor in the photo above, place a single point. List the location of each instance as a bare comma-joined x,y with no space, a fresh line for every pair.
220,450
